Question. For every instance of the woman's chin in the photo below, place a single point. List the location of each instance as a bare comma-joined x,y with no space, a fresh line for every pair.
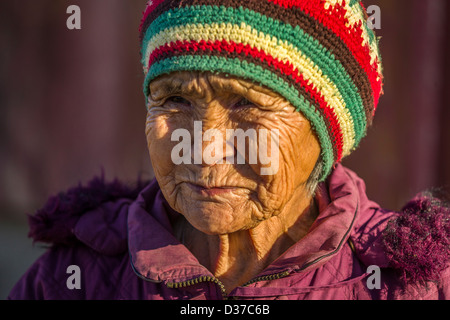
215,218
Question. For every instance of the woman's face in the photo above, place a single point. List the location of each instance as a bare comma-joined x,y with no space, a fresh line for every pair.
226,152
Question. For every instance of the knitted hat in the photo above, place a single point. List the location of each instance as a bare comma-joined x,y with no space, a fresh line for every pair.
320,55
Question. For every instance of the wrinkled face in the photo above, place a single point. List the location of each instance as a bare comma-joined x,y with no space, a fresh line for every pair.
226,152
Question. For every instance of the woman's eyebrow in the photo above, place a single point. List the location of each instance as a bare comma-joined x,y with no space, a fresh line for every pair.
244,89
165,87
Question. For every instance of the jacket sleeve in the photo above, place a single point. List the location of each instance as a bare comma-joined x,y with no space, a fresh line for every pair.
31,285
46,278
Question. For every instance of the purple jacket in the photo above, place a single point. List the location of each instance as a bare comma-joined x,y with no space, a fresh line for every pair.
122,242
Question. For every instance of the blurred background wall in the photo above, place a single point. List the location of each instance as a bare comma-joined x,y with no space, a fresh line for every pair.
71,105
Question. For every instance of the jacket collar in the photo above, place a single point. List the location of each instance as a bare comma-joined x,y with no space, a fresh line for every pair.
156,255
338,201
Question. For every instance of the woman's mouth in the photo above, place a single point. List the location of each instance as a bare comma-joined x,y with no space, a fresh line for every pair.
213,191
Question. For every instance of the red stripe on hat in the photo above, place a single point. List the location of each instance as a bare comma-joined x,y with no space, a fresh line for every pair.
334,19
151,5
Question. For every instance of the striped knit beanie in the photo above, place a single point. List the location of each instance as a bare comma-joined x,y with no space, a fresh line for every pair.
320,55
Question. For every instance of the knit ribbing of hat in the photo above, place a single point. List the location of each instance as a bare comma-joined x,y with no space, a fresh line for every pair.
277,48
308,53
346,19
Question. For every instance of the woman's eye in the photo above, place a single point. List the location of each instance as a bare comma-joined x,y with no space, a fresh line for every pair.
243,103
178,100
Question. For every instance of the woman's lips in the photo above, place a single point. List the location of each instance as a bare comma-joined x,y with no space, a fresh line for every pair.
210,191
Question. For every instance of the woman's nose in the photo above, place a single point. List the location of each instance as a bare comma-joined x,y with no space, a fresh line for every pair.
210,146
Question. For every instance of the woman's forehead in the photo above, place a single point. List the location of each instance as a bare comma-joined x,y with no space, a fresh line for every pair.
190,82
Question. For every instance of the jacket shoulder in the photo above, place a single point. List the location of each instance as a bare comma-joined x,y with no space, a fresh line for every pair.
73,272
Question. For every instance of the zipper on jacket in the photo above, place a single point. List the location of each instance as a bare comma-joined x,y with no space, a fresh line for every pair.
262,278
267,278
183,284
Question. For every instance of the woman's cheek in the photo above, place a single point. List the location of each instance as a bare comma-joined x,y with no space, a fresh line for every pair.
159,143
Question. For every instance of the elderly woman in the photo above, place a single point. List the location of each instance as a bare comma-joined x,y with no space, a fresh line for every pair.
251,107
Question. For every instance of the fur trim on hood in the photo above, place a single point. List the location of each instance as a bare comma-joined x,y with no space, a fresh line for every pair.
55,222
417,241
